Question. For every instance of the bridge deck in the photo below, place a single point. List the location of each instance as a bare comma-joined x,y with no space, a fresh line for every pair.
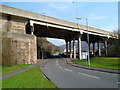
54,21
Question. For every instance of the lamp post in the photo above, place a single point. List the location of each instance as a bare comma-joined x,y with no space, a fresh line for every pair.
87,40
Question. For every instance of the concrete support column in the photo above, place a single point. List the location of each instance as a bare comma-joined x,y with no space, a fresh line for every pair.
32,30
105,40
70,48
93,48
74,49
79,48
106,48
66,48
99,49
42,55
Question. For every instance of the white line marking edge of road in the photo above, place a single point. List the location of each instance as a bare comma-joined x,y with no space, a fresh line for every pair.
89,75
79,72
118,82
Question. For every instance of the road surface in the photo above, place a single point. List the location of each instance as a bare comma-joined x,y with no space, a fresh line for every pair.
66,76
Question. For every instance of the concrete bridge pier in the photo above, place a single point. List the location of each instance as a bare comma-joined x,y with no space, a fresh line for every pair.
66,47
93,43
105,42
32,28
79,47
70,48
99,48
74,49
106,46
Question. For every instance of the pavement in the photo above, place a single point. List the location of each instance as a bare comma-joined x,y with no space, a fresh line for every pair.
92,68
64,75
40,63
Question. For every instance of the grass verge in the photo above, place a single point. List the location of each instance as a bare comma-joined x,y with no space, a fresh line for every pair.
32,78
101,62
9,68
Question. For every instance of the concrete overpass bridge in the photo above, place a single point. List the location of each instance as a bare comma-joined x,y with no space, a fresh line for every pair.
20,25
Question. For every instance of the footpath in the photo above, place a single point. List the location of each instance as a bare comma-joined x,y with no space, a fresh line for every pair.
40,63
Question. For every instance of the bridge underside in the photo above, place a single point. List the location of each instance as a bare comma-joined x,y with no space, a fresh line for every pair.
68,36
47,31
44,31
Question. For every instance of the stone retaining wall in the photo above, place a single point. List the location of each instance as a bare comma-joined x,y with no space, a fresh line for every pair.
17,46
17,49
13,24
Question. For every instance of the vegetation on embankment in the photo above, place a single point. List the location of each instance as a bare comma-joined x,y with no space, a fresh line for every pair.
46,46
10,68
32,78
101,62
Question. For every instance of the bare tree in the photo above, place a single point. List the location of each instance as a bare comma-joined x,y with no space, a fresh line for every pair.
114,45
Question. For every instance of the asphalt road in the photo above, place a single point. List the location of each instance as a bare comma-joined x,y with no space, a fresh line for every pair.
66,76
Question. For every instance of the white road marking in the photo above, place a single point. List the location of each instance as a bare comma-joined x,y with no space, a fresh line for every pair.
89,75
118,82
71,70
67,69
62,67
79,72
57,62
59,66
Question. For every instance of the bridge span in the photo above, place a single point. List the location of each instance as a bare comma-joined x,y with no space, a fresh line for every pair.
20,28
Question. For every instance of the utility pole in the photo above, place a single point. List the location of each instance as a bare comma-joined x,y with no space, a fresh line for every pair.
88,42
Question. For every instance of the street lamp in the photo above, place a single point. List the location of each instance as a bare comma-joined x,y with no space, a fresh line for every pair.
87,40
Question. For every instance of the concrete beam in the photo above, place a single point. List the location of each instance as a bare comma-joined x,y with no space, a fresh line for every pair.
53,25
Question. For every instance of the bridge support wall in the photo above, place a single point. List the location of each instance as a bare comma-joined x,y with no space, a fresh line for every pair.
18,49
17,46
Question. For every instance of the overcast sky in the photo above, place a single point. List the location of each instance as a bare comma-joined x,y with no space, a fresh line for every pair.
103,15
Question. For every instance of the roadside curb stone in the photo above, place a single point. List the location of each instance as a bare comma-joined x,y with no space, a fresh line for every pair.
68,61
